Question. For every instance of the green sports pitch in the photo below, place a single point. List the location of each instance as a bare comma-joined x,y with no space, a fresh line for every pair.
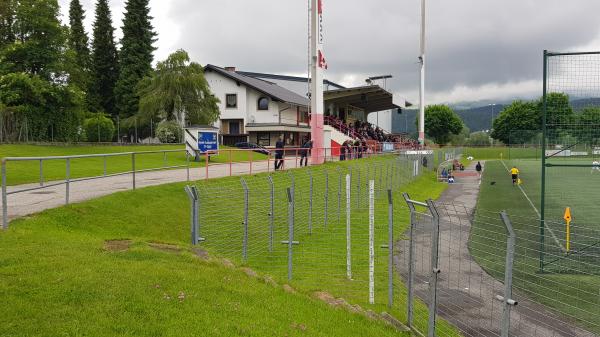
568,280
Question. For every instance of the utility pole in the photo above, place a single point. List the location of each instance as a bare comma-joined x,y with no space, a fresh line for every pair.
422,87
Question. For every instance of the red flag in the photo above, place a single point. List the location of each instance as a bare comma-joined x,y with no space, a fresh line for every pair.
320,7
322,62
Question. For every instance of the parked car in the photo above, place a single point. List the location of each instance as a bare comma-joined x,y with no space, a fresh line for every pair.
252,146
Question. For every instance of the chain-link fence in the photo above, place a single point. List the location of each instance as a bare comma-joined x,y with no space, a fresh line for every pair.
570,164
344,233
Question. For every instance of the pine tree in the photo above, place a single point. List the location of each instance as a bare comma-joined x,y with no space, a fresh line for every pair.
78,44
104,67
135,56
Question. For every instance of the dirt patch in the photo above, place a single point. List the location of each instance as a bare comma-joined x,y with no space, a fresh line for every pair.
165,247
117,245
251,273
201,253
288,289
269,280
227,263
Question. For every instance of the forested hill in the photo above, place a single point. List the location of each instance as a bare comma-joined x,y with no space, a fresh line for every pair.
476,119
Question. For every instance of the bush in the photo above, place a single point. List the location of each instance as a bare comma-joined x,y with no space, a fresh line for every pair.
168,132
99,129
479,139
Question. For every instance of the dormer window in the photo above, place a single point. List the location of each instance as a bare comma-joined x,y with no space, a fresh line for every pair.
263,103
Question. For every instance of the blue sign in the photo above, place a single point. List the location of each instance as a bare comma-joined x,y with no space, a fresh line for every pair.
208,141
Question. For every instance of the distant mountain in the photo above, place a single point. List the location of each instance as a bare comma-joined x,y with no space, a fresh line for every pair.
476,117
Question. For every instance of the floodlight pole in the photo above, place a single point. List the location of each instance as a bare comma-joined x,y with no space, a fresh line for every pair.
422,87
316,92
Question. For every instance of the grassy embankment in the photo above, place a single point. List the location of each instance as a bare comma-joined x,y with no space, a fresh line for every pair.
29,172
59,278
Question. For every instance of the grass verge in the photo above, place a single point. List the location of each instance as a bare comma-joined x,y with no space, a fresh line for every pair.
29,172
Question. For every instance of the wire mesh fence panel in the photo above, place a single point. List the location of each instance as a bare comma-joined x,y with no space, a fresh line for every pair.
323,229
571,164
548,304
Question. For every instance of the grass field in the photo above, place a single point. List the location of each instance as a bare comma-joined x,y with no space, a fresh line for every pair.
57,279
506,153
29,172
571,283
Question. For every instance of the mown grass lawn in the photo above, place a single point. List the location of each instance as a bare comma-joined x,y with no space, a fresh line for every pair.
29,172
57,278
571,283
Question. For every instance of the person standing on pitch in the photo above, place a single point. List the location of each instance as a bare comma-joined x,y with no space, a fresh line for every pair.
279,153
595,166
478,168
304,152
514,172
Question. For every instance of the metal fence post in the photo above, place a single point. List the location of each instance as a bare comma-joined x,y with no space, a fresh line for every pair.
358,190
507,299
390,247
348,230
133,169
41,173
271,213
194,197
326,197
339,199
290,242
380,174
187,163
435,271
4,196
411,262
310,202
245,222
68,181
371,242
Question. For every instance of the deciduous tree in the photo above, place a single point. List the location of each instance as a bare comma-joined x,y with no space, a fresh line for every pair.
441,122
178,91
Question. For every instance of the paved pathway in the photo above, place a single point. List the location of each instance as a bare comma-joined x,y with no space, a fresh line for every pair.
26,203
466,293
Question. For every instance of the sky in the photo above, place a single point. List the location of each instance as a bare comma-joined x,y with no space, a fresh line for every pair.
476,50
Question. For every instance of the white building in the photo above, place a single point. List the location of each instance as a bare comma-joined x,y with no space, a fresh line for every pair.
255,110
259,108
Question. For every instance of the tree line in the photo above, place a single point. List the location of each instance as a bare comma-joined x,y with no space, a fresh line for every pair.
521,122
57,84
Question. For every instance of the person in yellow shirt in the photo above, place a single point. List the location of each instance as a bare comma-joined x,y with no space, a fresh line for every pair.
514,172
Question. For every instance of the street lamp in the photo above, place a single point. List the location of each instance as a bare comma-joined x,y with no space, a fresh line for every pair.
492,121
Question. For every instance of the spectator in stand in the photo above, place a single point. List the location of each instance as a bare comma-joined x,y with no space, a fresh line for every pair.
343,152
306,146
358,149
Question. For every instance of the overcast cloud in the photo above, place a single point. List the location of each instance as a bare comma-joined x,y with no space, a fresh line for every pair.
476,49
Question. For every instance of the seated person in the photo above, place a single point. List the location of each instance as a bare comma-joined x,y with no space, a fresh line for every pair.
450,179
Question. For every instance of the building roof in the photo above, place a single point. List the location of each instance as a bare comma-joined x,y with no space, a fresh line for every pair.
370,98
272,90
287,78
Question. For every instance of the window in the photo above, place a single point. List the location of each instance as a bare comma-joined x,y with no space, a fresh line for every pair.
231,101
263,103
263,138
234,128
